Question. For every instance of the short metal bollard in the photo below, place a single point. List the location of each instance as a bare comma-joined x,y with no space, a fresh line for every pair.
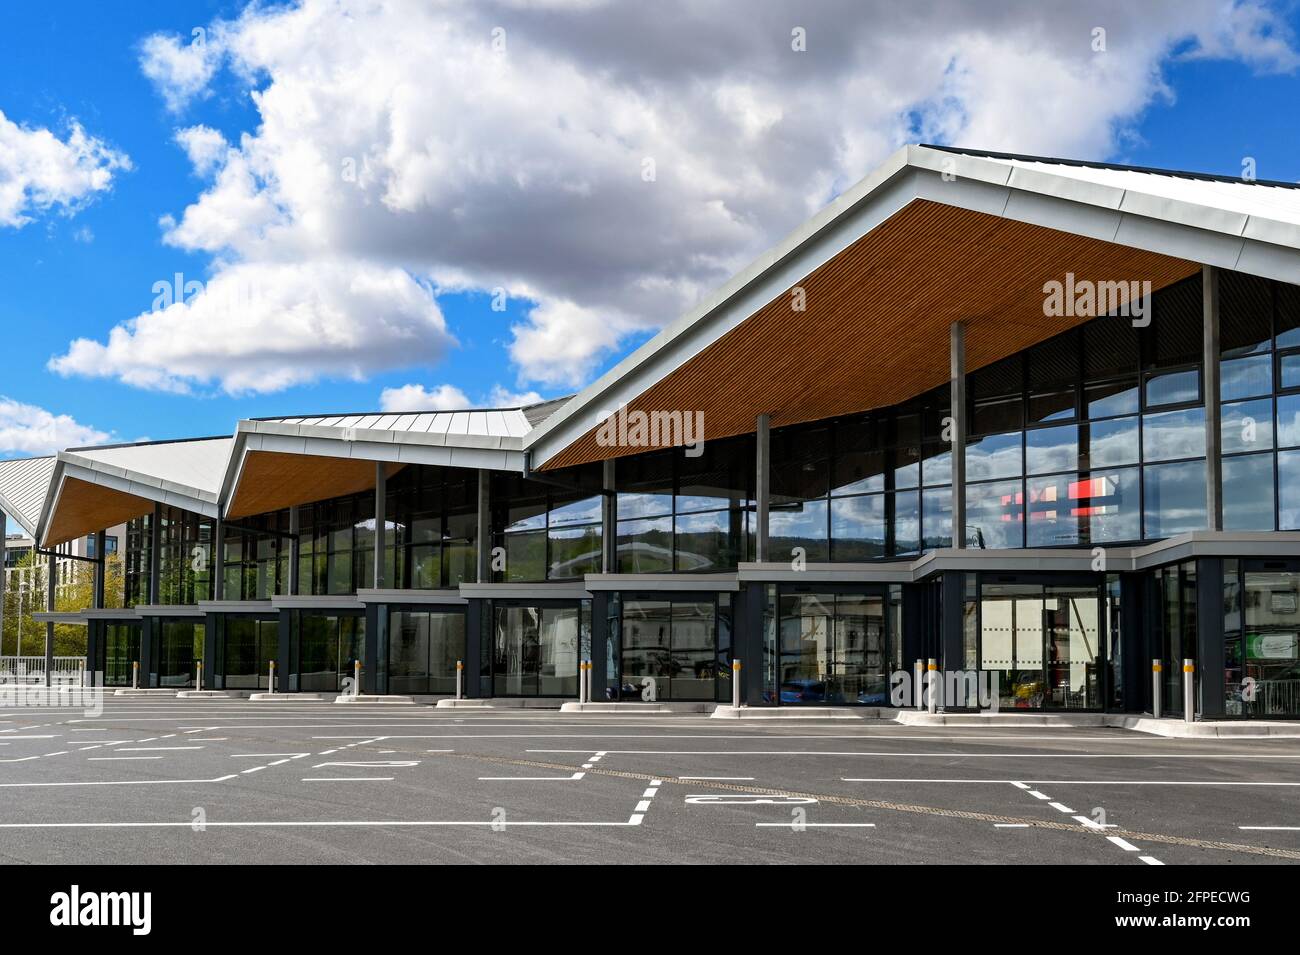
918,678
460,679
270,677
735,684
135,674
586,681
356,677
1189,691
1155,688
932,680
198,674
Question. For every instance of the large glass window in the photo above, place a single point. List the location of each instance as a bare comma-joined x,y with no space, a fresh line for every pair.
250,644
327,646
535,651
547,532
1262,629
673,644
179,646
833,649
423,647
121,652
1043,642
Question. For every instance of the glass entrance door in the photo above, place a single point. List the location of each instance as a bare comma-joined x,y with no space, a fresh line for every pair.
327,647
833,649
249,647
535,651
1044,644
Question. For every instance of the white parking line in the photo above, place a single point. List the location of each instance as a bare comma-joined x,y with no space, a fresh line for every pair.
1150,860
815,825
150,749
106,759
348,779
533,779
1123,844
1059,807
726,778
1272,828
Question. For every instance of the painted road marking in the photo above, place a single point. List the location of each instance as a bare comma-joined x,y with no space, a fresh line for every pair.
533,779
815,825
107,759
1150,860
348,779
712,799
1059,807
720,779
1123,844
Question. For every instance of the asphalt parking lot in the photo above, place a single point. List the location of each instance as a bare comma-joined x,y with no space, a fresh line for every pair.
229,781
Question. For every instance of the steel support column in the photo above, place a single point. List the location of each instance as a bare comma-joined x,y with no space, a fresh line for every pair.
381,525
295,549
762,486
1210,376
483,529
957,393
608,529
51,584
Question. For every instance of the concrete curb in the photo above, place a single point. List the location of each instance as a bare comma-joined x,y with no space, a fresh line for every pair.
463,705
287,697
132,691
204,695
794,713
629,709
387,699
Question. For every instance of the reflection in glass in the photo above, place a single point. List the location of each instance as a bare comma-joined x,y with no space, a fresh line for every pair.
832,649
1175,499
995,515
1248,493
1173,387
1246,377
1247,426
1112,443
1173,434
996,456
1051,449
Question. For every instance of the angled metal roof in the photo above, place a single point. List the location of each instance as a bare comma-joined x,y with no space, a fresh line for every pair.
24,483
1252,227
192,466
102,486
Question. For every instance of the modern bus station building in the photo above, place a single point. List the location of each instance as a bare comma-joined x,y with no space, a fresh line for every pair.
1113,353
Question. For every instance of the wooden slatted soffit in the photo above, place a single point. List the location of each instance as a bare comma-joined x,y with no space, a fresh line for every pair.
875,326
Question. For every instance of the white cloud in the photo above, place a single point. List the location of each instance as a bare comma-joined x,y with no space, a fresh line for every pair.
260,328
398,135
39,171
28,429
205,147
446,397
181,68
418,398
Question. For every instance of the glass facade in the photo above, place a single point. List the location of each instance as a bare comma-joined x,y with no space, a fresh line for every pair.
121,649
324,646
542,531
535,649
255,558
678,513
1044,643
423,647
669,649
247,645
1261,604
177,646
833,648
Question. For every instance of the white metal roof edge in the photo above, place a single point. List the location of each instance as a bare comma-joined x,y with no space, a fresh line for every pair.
1202,233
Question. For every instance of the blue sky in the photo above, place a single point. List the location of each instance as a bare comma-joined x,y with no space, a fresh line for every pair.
522,176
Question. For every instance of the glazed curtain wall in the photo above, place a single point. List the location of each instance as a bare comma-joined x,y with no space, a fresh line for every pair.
184,559
1094,436
681,513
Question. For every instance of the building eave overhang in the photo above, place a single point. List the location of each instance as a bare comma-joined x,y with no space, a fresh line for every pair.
1198,233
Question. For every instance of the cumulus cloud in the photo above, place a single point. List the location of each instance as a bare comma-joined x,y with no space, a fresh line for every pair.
39,171
610,163
259,328
28,429
419,398
446,397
